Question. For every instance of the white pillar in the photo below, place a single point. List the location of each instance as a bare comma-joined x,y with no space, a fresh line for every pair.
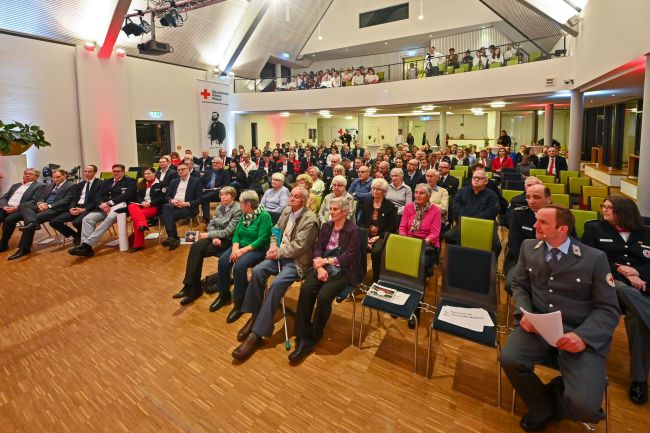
643,188
548,124
278,74
443,128
575,129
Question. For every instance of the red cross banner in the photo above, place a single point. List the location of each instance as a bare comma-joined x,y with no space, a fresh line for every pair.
214,113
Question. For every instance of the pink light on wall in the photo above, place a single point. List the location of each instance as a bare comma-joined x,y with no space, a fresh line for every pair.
121,8
279,125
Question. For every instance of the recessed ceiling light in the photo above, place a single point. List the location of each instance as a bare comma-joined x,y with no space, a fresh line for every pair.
347,49
371,110
324,112
386,43
284,114
313,55
348,117
320,38
498,104
428,107
418,111
613,94
420,17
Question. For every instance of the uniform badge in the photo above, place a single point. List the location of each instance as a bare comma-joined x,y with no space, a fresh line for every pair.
646,254
164,189
610,279
539,244
576,251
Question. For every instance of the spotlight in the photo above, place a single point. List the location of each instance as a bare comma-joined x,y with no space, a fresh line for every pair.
89,46
131,28
171,19
119,52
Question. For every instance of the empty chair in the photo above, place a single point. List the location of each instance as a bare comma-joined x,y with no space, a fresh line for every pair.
562,199
546,178
476,289
476,233
537,172
555,188
458,173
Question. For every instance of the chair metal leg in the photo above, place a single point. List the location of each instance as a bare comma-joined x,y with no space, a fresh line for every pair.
354,313
588,427
430,332
363,312
514,398
498,377
415,354
607,406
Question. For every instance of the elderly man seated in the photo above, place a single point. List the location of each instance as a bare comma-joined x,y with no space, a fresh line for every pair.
288,258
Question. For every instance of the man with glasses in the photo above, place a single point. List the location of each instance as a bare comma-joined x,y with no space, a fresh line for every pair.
413,176
475,201
183,199
447,181
115,196
29,191
360,187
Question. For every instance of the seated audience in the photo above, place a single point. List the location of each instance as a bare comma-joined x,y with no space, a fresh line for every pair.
553,163
57,197
371,77
399,193
148,200
412,175
336,264
276,198
175,159
182,201
501,161
622,235
247,164
360,188
545,281
250,241
304,181
524,166
358,78
204,161
237,176
87,197
447,181
30,190
115,195
288,258
439,195
338,190
212,243
166,172
379,216
318,186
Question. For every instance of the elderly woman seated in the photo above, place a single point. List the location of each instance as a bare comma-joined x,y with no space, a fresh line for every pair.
213,243
338,190
304,181
336,265
318,186
422,220
399,193
250,241
379,216
276,198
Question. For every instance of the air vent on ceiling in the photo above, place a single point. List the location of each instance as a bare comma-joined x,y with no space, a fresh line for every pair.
550,81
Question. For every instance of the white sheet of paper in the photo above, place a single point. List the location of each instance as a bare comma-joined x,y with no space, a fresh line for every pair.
474,319
548,325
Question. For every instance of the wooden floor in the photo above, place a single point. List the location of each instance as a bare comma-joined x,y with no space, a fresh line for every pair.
98,345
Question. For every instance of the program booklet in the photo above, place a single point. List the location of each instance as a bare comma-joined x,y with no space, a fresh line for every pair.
387,294
191,236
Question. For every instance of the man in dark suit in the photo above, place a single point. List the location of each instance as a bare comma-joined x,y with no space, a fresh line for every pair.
57,197
29,191
85,197
553,163
165,173
447,181
307,161
413,176
183,199
214,178
115,196
357,151
557,273
204,162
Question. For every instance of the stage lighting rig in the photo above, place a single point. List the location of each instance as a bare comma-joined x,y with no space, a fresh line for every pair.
131,28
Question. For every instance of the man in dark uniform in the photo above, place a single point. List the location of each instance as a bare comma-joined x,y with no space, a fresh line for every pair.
521,200
557,273
217,130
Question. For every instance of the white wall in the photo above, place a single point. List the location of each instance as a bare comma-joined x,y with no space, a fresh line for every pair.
271,127
340,25
38,85
612,34
328,128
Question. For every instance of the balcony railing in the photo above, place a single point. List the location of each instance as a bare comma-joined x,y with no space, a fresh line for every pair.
480,59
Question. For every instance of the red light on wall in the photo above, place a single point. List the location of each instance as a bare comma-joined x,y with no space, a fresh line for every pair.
89,46
119,52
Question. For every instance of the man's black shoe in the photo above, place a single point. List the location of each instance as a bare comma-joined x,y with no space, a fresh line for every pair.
639,392
300,353
18,254
221,301
528,424
190,298
31,226
235,314
3,248
174,243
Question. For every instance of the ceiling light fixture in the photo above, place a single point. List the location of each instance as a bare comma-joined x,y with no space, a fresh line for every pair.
285,114
119,52
421,16
89,46
324,112
348,117
498,104
428,107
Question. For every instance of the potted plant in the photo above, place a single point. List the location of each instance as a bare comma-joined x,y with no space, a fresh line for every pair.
16,137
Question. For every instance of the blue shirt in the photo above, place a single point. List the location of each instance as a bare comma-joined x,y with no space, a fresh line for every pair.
359,189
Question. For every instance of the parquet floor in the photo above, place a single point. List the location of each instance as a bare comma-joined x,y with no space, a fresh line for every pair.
98,345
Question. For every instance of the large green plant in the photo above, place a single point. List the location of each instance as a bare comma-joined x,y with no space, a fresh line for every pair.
22,133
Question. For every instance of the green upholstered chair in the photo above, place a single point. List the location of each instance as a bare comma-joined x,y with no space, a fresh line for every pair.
566,174
562,199
556,188
576,184
513,61
476,233
106,175
582,216
402,269
546,178
464,168
593,191
495,65
509,194
537,172
535,55
595,203
461,174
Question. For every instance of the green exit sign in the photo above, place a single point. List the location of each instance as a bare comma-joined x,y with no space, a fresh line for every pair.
155,114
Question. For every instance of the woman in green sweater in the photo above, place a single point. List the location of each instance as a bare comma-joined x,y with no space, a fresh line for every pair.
249,244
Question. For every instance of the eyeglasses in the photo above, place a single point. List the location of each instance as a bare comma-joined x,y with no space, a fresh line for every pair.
478,178
606,206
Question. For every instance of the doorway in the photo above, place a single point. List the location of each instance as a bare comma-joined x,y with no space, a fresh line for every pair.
153,139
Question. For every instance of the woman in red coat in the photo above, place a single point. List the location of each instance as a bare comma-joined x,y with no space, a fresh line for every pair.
502,161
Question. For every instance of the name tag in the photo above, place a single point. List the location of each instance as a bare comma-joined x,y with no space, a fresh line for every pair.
530,229
606,240
645,246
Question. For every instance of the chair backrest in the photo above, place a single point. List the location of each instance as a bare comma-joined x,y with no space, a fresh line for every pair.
402,262
132,174
535,55
476,233
556,188
495,65
595,203
518,185
582,216
509,170
511,176
363,249
593,191
546,178
562,199
476,67
489,174
477,288
576,184
513,61
319,200
566,174
458,173
537,172
105,175
509,194
464,168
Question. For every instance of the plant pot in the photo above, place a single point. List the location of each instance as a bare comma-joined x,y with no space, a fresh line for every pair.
16,148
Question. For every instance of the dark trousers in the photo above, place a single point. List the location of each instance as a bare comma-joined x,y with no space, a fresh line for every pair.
8,226
208,197
59,224
198,251
171,214
239,272
30,215
313,290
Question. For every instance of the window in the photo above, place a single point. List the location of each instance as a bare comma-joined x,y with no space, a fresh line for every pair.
383,16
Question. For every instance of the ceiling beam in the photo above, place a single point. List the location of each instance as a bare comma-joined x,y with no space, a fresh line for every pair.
114,28
244,40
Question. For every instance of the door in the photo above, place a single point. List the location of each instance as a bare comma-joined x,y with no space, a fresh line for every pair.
153,140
